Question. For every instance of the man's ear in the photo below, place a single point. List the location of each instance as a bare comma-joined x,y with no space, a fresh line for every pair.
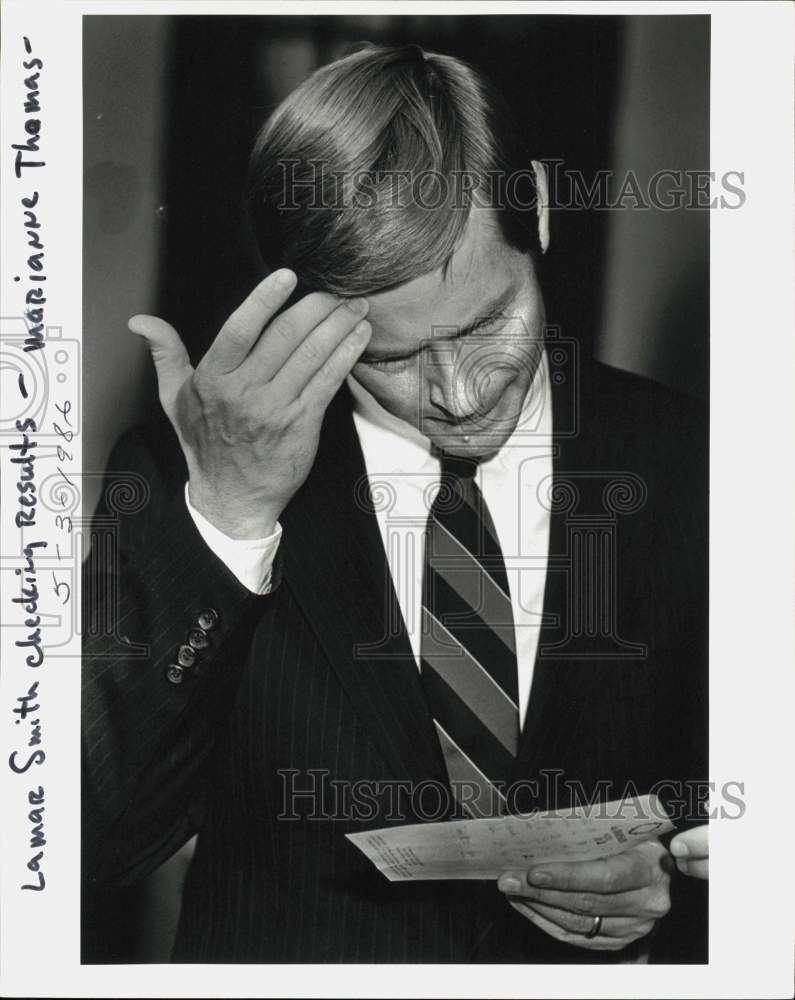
542,204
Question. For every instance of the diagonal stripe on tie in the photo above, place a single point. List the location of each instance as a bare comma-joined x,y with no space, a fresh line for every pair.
473,790
474,584
473,632
469,524
475,739
473,684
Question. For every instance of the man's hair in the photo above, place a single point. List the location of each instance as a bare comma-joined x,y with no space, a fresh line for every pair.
364,176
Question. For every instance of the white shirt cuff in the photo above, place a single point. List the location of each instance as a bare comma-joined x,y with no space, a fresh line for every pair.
249,559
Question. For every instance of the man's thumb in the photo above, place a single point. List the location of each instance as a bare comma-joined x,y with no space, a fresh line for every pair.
168,353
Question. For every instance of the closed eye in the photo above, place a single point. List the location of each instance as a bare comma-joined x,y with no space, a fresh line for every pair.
397,359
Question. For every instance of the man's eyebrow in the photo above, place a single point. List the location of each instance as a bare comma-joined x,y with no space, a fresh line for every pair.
493,308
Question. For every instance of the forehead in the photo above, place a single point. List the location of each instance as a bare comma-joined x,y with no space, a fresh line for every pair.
482,269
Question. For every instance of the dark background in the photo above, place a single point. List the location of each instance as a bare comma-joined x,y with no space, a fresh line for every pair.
171,107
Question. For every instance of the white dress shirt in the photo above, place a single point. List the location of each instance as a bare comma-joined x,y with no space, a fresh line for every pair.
249,559
403,475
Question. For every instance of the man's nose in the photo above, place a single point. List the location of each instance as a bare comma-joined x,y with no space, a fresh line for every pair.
466,383
450,393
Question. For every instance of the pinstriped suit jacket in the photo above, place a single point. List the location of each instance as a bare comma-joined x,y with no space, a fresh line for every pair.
309,689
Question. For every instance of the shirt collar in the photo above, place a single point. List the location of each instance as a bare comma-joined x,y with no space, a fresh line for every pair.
407,448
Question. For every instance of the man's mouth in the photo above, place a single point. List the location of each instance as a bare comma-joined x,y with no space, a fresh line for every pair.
473,423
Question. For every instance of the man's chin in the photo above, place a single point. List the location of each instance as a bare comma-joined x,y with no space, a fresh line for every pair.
479,445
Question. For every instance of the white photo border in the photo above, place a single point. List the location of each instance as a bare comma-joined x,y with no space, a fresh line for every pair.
752,502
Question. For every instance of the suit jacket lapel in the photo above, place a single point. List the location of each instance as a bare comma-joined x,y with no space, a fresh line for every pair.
335,565
559,685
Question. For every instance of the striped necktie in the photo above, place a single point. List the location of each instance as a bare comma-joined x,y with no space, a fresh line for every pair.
468,649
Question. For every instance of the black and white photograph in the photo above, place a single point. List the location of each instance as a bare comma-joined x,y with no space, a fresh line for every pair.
443,549
375,508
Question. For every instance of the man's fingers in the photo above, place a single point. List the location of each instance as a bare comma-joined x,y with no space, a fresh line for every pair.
318,352
621,873
691,843
651,904
242,330
598,943
327,380
290,328
627,928
696,868
171,360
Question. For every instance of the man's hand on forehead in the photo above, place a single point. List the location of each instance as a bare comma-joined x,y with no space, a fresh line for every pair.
248,417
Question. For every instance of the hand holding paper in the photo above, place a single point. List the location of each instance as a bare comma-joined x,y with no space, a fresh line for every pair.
561,870
628,891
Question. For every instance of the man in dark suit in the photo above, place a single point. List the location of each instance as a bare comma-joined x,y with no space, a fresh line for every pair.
268,661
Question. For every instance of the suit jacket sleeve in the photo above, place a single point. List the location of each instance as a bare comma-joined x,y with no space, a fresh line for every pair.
148,580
